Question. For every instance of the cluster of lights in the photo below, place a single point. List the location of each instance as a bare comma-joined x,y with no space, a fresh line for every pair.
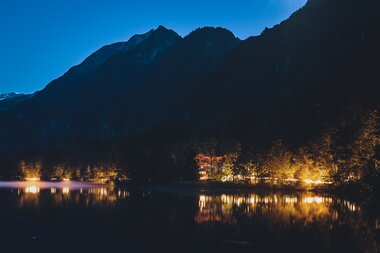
253,199
32,189
316,182
33,179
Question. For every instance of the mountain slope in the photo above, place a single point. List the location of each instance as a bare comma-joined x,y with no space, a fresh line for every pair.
8,95
287,83
130,92
291,80
100,56
9,100
166,98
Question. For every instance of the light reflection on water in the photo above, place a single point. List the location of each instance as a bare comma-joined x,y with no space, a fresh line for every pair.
302,207
102,217
31,193
220,207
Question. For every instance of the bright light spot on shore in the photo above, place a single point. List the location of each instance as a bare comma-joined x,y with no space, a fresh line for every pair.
32,179
316,182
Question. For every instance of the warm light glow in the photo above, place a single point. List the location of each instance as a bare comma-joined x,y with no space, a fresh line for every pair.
310,200
32,189
65,190
32,179
305,207
291,200
316,182
291,180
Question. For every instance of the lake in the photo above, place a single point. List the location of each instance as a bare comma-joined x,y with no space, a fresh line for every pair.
79,217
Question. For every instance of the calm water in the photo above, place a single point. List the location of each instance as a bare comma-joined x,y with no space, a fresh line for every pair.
72,217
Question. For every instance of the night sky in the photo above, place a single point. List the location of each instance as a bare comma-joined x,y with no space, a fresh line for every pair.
42,39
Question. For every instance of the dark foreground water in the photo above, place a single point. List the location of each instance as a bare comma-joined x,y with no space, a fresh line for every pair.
70,217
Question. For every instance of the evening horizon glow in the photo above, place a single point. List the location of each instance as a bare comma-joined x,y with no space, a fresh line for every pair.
43,39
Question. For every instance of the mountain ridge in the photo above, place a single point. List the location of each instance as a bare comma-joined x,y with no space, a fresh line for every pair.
155,106
87,107
321,47
9,100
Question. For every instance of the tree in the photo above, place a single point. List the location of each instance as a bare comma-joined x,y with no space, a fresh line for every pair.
365,153
30,170
321,160
279,162
362,149
229,168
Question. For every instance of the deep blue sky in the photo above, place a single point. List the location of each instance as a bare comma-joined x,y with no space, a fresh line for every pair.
41,39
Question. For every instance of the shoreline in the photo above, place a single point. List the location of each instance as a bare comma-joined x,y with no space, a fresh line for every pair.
213,187
191,187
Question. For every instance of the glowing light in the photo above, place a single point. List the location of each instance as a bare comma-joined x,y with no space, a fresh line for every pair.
32,179
310,200
291,180
228,178
65,190
307,207
316,182
32,189
291,200
103,192
202,201
66,179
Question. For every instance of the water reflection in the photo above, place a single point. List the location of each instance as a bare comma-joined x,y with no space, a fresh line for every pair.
302,207
99,218
32,189
31,193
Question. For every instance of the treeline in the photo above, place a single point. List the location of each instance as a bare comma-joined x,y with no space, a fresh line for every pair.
345,155
101,172
137,159
86,160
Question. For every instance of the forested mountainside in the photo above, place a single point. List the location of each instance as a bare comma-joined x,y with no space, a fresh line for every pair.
302,97
116,93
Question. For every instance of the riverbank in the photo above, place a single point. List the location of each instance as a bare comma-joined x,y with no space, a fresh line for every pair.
214,187
352,192
49,184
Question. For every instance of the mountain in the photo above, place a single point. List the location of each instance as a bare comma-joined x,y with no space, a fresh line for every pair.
87,67
116,93
155,102
9,100
8,95
295,78
99,57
